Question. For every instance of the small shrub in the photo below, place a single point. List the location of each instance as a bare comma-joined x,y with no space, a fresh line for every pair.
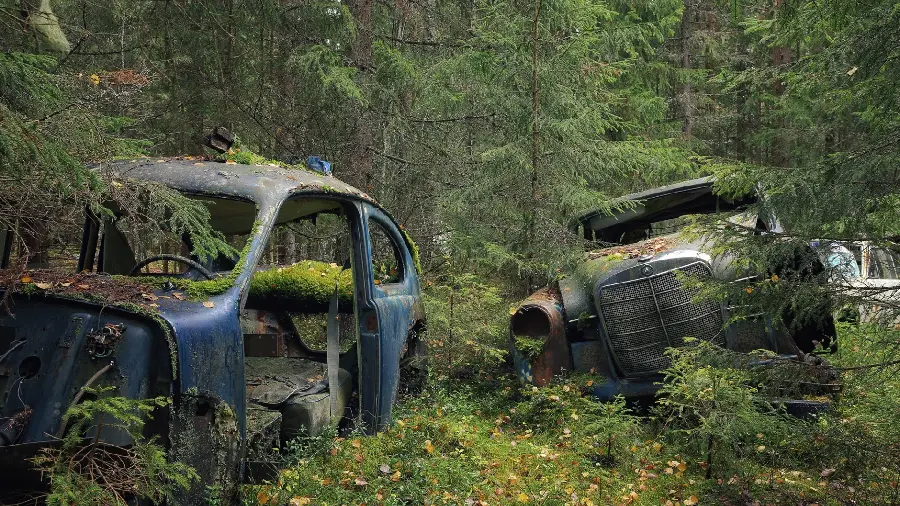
715,412
89,473
468,320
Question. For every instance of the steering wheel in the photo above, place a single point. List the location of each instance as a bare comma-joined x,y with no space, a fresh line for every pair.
177,258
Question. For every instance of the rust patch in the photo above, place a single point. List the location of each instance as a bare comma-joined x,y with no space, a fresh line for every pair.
540,316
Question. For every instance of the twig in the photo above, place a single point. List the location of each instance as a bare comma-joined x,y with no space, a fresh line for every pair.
80,394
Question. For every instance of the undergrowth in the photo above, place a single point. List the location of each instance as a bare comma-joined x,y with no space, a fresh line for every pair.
490,440
86,471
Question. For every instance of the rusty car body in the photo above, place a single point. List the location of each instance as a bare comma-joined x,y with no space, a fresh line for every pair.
237,367
619,311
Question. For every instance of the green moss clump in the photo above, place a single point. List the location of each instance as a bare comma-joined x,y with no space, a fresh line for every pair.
206,288
308,282
247,157
413,250
529,347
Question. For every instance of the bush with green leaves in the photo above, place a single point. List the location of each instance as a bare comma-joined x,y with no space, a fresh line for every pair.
468,318
715,411
599,430
88,472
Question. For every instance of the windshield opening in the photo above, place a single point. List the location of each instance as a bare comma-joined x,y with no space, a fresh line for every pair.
210,244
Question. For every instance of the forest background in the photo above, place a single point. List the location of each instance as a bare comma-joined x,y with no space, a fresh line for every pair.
484,126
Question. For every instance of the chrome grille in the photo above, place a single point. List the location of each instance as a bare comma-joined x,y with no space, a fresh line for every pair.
643,317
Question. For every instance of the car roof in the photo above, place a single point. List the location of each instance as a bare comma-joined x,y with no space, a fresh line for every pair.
258,183
698,186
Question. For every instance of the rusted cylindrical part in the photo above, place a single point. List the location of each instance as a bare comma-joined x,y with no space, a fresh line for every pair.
540,317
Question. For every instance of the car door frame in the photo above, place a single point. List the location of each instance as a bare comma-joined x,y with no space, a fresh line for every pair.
388,313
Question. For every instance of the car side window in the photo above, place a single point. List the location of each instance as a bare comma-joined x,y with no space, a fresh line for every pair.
387,265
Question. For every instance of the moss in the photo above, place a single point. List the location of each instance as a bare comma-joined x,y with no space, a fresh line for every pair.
30,289
529,347
584,320
413,250
308,282
208,287
247,157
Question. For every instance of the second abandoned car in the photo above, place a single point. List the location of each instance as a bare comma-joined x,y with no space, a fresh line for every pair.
620,310
306,322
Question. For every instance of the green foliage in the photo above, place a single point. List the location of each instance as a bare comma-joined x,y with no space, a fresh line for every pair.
307,282
577,98
472,444
468,321
816,128
529,347
94,473
45,181
716,410
149,205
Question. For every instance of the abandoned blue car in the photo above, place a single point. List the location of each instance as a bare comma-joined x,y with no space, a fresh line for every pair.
309,320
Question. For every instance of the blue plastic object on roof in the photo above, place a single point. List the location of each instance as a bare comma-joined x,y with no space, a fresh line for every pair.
317,164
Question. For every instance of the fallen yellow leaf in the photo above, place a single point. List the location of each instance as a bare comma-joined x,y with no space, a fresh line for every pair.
428,446
299,501
522,497
209,303
25,279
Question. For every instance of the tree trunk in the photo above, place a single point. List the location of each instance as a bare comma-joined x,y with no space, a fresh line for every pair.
363,140
685,98
531,212
780,56
38,15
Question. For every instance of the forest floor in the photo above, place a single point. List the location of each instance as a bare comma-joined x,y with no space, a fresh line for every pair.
487,440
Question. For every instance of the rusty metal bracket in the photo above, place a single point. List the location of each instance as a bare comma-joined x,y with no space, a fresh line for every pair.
101,343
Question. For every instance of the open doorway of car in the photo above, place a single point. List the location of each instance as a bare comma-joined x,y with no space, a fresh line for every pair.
303,280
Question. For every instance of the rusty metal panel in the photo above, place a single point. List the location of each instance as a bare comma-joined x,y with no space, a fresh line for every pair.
541,316
263,345
587,356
